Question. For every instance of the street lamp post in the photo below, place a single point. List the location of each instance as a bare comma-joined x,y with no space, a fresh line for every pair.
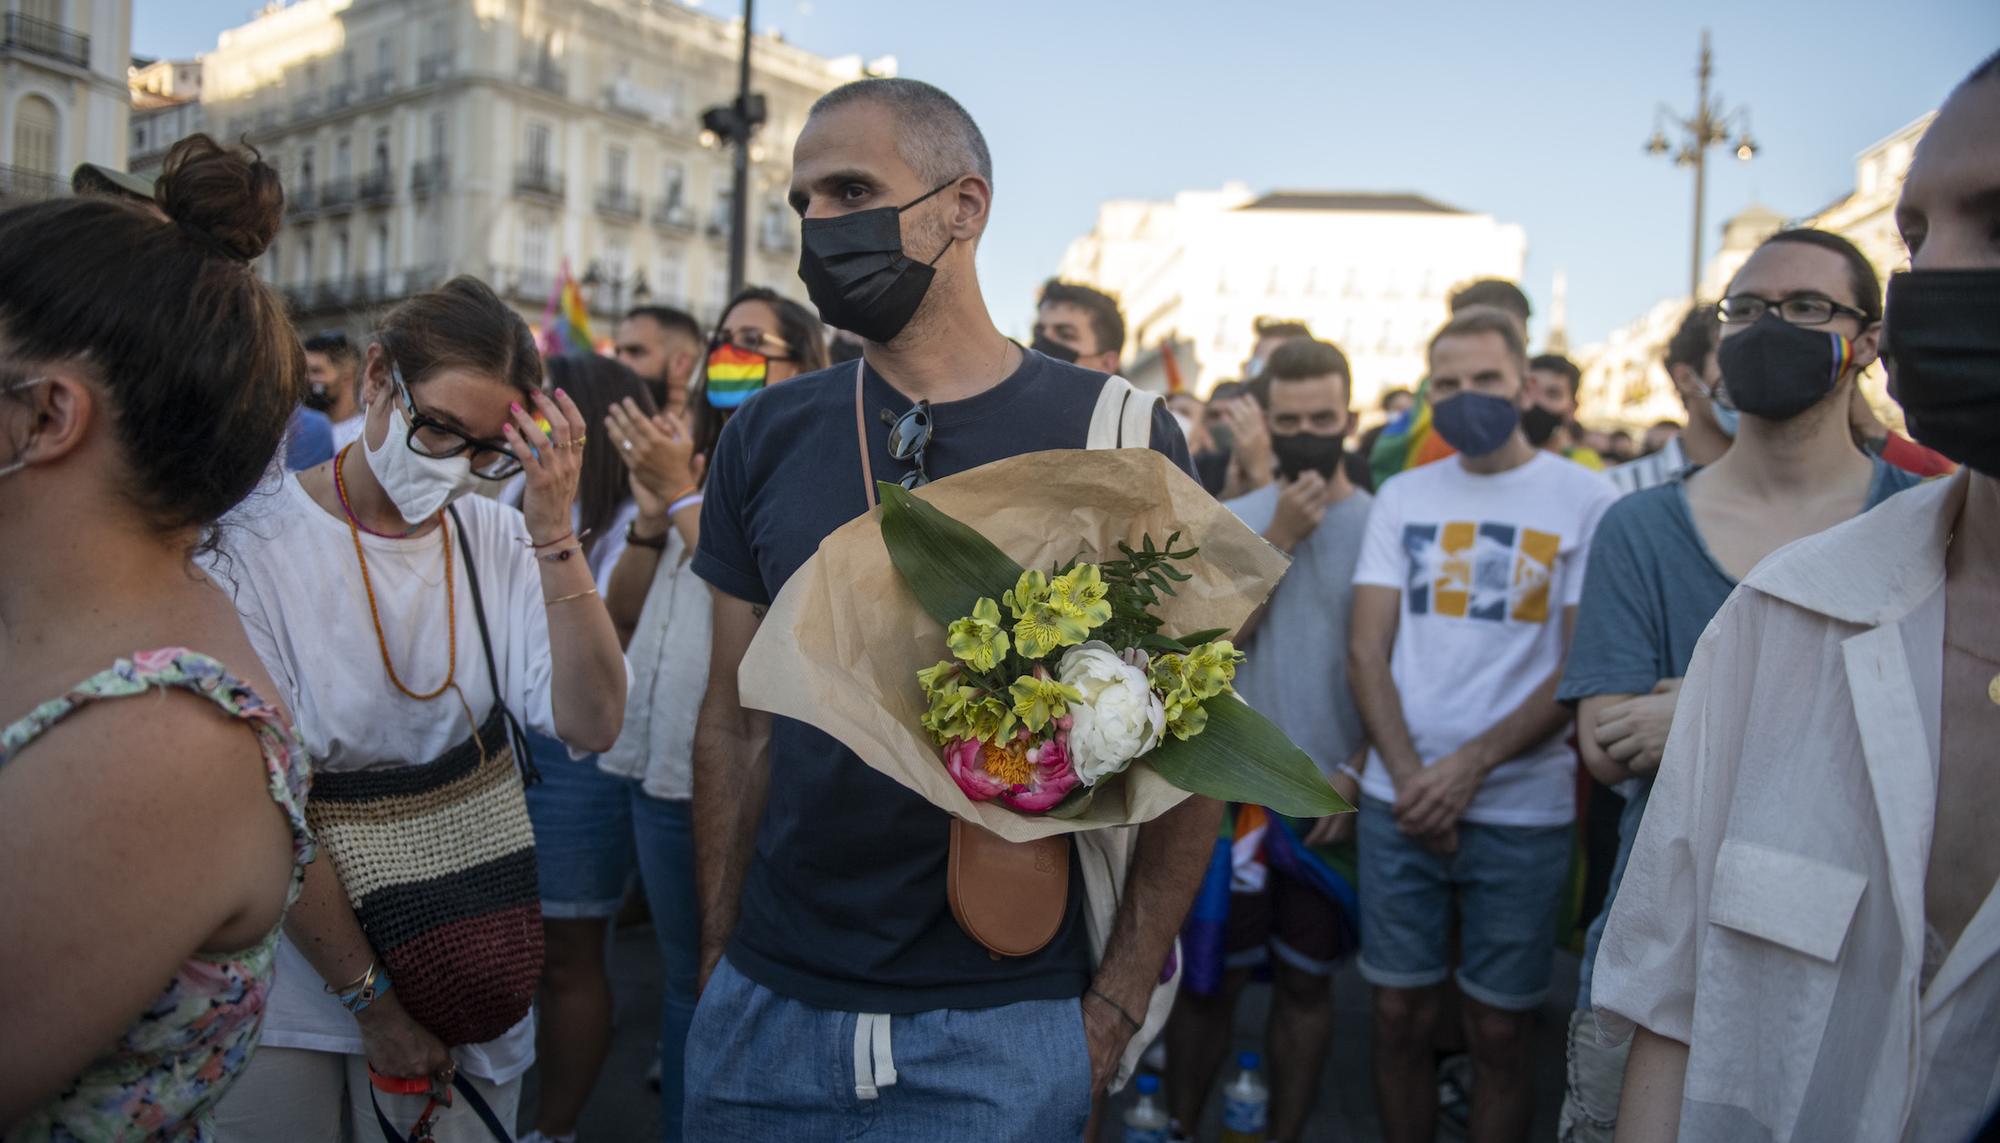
1710,125
733,123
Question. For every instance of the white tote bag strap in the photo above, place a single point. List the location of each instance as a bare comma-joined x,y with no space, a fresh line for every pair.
1123,417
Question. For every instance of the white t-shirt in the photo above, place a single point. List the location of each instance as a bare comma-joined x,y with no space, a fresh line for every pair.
292,568
1485,565
348,431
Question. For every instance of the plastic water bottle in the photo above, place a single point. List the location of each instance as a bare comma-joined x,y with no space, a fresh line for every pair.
1246,1103
1146,1120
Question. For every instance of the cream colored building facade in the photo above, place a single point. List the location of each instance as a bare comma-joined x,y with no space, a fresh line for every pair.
63,98
1369,272
1624,382
420,139
166,107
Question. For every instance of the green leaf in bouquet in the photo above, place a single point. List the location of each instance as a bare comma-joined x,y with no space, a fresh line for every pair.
1165,644
1074,805
1242,757
948,566
1208,636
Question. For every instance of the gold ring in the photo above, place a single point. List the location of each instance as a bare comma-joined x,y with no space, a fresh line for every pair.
578,442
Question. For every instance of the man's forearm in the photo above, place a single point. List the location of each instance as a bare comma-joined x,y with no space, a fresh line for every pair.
732,774
1172,856
1538,718
1381,707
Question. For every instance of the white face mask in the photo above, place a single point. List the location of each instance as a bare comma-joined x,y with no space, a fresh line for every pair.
417,485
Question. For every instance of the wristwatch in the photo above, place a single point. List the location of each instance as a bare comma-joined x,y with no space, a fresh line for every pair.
657,543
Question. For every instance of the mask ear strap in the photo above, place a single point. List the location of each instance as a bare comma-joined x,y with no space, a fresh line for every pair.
941,253
927,196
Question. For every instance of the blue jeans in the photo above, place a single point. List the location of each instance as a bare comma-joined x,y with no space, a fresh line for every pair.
761,1068
1508,881
664,831
583,834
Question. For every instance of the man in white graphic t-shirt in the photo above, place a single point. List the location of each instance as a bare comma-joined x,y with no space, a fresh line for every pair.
1464,595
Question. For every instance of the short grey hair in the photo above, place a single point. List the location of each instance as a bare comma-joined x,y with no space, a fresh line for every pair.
938,138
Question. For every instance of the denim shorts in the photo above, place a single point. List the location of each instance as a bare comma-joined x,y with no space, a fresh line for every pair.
1508,882
583,834
763,1067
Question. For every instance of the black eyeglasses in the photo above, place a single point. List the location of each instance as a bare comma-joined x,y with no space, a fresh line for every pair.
1804,309
909,436
434,439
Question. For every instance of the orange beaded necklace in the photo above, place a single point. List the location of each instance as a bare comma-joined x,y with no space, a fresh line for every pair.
374,613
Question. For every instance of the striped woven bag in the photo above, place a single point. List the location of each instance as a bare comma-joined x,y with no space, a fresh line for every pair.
438,861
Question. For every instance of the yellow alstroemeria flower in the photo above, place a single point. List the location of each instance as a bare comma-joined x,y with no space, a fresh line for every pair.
1030,592
1210,668
1079,593
1038,702
991,720
977,639
1186,717
949,716
1044,628
932,678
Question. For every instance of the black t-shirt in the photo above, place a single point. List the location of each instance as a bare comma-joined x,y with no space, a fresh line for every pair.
844,903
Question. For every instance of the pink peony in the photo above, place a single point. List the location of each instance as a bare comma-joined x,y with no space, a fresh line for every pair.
1026,775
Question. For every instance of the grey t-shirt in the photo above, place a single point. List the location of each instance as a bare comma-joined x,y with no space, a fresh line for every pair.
1295,666
1651,589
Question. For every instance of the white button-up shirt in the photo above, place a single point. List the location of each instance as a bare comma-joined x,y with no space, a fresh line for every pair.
1772,914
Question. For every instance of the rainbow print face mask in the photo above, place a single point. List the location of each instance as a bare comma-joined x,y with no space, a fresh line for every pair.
734,374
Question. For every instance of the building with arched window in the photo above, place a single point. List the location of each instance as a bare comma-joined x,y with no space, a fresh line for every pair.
63,94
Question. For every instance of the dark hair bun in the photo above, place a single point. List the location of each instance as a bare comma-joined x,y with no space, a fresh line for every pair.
229,196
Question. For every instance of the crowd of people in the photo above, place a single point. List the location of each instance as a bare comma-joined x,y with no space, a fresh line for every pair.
441,637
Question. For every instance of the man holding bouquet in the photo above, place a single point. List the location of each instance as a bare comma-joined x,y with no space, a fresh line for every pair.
839,992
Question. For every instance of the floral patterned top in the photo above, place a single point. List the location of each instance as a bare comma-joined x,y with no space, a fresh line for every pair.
174,1063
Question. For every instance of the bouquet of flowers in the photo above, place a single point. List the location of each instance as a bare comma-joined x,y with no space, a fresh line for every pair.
1031,702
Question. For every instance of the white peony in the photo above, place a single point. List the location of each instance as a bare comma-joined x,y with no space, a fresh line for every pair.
1119,718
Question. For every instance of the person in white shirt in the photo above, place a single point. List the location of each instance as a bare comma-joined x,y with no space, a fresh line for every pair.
1807,942
353,589
1464,596
1690,362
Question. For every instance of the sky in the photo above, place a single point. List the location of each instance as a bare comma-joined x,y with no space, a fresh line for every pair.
1535,113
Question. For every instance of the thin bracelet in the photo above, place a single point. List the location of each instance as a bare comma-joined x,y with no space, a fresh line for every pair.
684,493
688,501
558,556
357,983
1115,1006
359,1000
567,598
530,541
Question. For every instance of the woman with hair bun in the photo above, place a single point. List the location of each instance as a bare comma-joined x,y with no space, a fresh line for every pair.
418,634
148,849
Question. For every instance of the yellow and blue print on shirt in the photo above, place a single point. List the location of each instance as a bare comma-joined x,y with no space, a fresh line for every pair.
1467,570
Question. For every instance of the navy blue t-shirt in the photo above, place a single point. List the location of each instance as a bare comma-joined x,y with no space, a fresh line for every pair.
844,903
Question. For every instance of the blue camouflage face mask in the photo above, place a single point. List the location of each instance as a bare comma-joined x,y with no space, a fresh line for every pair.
1475,423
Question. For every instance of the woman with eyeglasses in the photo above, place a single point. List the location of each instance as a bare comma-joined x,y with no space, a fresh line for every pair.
661,610
152,792
412,627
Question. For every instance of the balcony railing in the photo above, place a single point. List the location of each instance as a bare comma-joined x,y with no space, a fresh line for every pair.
332,292
537,180
548,77
672,214
433,67
718,224
25,33
302,201
619,203
19,184
776,240
532,285
429,176
339,96
370,288
270,119
377,187
305,107
337,194
380,83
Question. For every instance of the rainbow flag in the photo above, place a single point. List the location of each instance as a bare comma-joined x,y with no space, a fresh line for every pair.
734,374
1408,441
566,322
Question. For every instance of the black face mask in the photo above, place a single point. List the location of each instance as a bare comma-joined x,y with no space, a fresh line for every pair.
856,273
1776,370
1538,424
1212,469
1942,344
318,399
1055,349
1300,453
